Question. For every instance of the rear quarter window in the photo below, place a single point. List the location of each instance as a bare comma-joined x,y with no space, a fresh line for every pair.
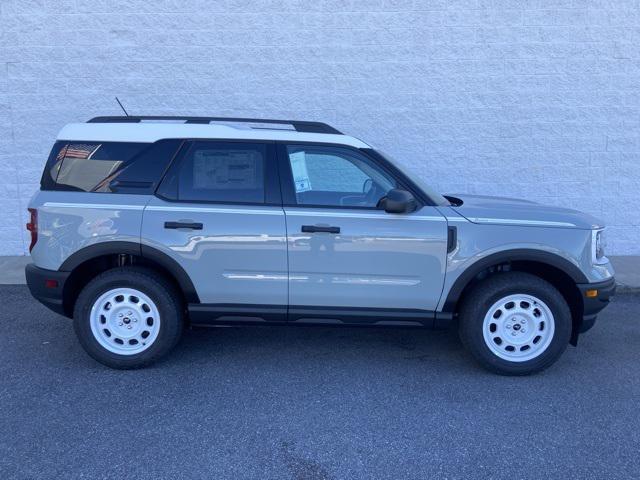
108,167
50,173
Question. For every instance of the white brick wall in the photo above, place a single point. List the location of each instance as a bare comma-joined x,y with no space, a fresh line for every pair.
531,98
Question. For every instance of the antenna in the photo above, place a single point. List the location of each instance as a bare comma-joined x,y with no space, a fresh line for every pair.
125,112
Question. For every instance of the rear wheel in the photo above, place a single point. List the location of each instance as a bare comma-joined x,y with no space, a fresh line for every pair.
128,317
515,323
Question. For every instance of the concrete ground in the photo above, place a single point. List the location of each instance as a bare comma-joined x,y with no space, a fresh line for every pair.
627,271
314,403
12,270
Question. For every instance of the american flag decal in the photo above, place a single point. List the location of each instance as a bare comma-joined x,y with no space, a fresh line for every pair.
62,152
81,150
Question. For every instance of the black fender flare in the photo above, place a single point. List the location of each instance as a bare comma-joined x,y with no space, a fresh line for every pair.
132,248
521,254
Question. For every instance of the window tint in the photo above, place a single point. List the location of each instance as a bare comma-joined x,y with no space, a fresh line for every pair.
221,172
145,171
333,176
50,173
108,167
89,167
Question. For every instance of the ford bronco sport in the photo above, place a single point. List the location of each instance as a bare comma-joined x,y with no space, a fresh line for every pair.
143,225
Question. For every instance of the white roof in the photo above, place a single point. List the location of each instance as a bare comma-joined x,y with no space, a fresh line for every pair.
149,132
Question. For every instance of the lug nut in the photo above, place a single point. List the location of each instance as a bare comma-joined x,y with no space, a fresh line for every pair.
129,327
120,315
120,323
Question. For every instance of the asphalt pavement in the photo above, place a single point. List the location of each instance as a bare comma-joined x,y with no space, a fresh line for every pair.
314,403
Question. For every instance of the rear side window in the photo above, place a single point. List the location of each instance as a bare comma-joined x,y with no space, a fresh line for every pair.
117,167
219,172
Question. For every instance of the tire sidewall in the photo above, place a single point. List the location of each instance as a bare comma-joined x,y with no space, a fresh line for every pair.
155,291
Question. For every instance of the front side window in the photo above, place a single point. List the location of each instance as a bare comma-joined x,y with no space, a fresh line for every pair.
222,172
336,177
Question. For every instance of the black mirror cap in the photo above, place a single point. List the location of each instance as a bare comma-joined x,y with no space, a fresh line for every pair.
399,201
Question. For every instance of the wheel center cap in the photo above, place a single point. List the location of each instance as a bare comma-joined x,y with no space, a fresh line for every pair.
516,327
126,320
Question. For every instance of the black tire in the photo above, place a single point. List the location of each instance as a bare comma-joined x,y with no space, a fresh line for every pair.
479,300
152,284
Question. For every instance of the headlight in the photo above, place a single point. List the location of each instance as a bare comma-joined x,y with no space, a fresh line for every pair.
598,244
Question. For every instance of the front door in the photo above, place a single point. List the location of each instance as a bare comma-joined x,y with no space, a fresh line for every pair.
348,259
218,213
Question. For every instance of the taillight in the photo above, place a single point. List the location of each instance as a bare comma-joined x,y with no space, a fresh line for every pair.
32,227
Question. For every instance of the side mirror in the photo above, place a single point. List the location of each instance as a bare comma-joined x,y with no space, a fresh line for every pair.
398,201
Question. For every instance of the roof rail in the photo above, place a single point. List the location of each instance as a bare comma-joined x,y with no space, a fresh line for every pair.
300,126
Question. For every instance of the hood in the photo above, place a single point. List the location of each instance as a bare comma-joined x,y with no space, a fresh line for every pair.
511,211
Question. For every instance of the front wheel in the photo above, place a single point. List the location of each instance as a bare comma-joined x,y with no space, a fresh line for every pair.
515,323
128,317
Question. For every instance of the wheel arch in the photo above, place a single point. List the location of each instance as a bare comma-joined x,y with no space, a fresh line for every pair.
87,262
555,269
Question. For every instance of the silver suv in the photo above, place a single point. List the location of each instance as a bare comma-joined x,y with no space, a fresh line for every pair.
143,225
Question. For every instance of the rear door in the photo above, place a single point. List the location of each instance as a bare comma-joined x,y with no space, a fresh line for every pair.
348,259
218,213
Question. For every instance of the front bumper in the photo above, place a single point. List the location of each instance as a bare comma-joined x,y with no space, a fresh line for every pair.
47,286
592,305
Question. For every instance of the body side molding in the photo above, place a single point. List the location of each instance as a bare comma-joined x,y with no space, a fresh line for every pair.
229,314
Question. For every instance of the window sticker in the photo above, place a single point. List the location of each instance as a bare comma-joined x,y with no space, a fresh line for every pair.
222,170
300,173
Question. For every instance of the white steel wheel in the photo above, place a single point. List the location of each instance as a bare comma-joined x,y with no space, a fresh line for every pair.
518,327
125,321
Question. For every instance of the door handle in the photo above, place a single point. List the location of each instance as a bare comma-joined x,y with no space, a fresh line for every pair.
190,225
317,228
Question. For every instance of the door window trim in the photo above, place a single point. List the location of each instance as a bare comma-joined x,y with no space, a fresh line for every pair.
272,189
289,198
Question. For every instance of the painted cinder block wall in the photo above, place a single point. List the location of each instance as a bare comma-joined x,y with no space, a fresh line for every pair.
527,98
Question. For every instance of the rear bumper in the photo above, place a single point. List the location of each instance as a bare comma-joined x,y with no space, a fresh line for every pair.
593,305
47,286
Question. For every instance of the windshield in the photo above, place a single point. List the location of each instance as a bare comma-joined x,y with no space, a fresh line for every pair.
415,178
